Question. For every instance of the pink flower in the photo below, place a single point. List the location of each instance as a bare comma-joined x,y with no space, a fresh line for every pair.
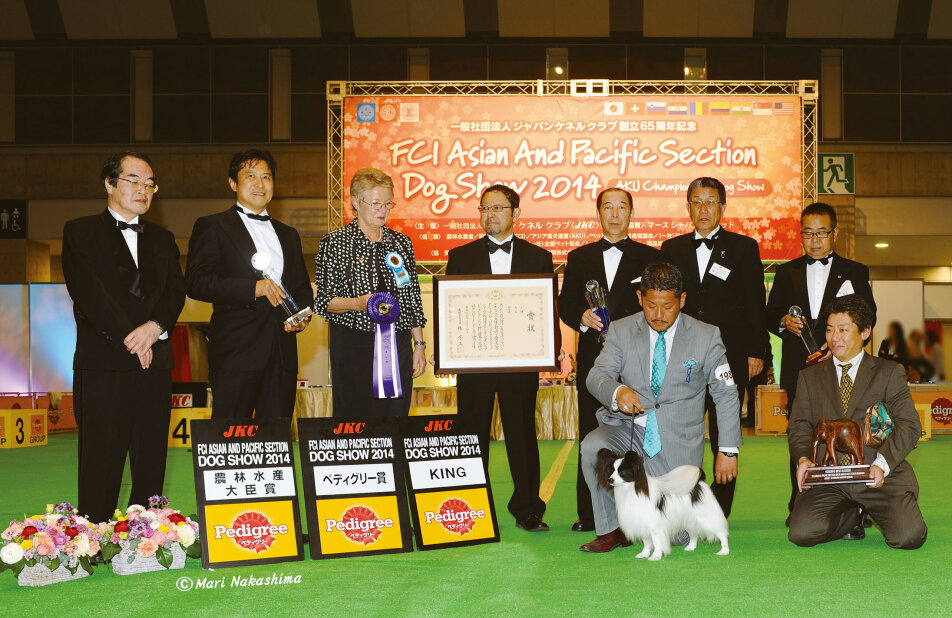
93,547
159,537
147,547
114,539
43,550
172,535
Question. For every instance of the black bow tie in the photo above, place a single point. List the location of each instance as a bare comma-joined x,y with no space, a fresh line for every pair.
494,247
823,260
138,228
251,215
606,244
707,242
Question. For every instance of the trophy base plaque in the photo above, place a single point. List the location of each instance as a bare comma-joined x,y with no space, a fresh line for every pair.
815,357
832,475
299,317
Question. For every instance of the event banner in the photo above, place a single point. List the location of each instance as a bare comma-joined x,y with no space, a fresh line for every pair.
354,491
559,152
450,496
246,493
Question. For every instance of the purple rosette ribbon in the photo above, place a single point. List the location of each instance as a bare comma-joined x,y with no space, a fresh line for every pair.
384,310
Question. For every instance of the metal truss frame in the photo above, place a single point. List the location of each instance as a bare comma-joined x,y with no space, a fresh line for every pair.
807,90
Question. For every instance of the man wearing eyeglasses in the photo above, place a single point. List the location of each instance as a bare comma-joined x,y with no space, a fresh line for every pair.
812,282
252,353
616,262
724,281
500,252
123,275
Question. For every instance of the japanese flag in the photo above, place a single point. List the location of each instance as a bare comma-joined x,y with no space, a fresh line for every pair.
614,108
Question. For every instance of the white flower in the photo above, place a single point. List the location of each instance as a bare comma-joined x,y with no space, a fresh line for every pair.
138,508
11,553
82,521
82,544
186,534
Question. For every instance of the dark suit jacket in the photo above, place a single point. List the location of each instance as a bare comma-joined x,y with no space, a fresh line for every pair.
100,272
244,329
473,259
790,288
735,304
877,379
586,263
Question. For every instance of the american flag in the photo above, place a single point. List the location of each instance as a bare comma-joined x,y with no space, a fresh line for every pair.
783,109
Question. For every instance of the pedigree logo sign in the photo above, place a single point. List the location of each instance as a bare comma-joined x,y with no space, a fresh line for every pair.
250,531
454,516
364,524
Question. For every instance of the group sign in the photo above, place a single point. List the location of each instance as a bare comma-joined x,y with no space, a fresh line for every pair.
559,152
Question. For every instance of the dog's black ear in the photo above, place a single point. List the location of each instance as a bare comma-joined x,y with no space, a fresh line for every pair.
632,470
605,467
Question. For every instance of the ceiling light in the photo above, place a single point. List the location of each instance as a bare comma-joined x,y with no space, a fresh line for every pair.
881,245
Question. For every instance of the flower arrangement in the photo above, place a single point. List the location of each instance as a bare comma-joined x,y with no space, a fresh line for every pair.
157,531
58,538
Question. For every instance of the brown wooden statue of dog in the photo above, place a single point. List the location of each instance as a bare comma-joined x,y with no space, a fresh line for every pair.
842,434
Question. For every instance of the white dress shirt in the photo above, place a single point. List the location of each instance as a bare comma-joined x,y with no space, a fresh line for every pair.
265,239
817,276
610,259
703,253
501,262
880,461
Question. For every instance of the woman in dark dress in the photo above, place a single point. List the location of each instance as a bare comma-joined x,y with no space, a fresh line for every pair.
354,262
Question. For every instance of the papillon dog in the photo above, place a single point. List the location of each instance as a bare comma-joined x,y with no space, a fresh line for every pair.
655,509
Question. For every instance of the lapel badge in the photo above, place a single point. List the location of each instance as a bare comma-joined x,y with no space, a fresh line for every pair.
723,253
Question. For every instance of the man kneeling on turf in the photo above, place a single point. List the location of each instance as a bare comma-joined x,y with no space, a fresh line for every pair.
846,386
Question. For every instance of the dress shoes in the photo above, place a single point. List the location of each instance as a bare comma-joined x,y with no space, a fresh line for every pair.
533,523
606,542
857,532
582,525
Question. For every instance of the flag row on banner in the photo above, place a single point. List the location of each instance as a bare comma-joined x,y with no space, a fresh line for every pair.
700,108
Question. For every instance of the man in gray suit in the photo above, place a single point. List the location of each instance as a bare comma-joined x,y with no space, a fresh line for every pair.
651,378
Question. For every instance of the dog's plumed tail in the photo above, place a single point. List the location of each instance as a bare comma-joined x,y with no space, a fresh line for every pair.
680,481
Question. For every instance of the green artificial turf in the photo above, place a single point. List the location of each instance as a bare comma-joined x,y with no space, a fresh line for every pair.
527,574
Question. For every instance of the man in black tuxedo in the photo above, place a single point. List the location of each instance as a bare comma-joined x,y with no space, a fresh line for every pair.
124,277
500,252
724,279
811,282
616,262
252,354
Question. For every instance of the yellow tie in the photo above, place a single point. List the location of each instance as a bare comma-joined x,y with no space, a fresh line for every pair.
846,387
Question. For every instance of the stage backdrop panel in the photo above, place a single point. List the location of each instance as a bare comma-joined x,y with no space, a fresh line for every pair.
558,152
14,339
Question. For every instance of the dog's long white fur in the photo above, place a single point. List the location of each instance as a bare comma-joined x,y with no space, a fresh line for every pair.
640,518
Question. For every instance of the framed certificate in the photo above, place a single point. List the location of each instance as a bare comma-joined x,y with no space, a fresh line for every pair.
492,323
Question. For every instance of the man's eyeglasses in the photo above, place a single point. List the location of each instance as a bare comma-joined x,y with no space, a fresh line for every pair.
807,234
148,185
379,205
494,209
708,203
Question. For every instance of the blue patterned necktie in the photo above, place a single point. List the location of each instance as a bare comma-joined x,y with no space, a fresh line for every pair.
659,364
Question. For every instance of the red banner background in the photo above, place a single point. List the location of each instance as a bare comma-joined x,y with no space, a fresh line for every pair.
558,152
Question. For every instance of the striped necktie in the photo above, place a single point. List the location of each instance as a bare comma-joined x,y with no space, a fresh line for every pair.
846,387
